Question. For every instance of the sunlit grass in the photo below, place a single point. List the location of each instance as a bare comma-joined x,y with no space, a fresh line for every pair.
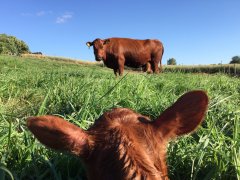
81,93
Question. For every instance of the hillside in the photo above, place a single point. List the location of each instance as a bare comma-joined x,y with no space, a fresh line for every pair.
82,92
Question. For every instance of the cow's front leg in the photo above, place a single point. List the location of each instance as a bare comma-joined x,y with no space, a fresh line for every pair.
121,62
116,72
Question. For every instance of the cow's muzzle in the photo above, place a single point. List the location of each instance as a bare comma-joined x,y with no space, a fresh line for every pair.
99,58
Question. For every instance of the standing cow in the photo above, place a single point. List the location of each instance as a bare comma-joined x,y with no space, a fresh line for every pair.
117,52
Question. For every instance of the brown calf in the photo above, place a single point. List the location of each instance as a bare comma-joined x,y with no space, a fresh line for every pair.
123,144
117,52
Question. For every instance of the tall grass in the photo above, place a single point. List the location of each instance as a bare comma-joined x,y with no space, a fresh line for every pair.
81,93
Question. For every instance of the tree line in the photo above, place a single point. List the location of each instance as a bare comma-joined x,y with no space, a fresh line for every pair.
235,60
10,45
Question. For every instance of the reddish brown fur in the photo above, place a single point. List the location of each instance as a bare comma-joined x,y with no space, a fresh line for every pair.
117,52
123,144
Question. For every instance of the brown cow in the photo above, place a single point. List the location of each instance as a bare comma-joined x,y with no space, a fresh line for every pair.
123,144
117,52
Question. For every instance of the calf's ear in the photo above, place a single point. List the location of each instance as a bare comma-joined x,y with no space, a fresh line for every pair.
89,44
59,134
184,115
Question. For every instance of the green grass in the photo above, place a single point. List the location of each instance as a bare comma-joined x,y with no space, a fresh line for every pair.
81,93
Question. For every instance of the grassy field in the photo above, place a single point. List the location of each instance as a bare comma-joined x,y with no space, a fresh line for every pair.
81,93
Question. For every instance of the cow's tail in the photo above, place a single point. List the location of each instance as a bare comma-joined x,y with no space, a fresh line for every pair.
161,69
162,49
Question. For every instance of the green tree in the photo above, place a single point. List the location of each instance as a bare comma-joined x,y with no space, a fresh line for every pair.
12,46
171,61
235,60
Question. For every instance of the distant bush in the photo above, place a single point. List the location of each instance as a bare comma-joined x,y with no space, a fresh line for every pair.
171,61
10,45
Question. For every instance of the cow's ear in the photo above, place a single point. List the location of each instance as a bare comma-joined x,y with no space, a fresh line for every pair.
106,41
184,115
59,134
89,44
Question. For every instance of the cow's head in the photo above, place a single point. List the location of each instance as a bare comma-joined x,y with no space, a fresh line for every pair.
99,48
123,144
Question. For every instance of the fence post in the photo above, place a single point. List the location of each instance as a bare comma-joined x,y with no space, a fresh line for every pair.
235,70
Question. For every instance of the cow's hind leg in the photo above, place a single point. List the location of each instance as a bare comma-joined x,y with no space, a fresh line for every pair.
155,68
148,68
155,61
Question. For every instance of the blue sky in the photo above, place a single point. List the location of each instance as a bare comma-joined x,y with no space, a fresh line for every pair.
192,31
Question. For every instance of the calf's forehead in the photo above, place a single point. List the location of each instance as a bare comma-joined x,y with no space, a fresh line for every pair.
124,135
121,116
120,124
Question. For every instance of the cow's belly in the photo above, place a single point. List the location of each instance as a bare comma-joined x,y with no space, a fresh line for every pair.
137,61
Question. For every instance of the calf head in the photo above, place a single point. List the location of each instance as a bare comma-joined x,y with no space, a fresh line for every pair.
99,48
123,144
